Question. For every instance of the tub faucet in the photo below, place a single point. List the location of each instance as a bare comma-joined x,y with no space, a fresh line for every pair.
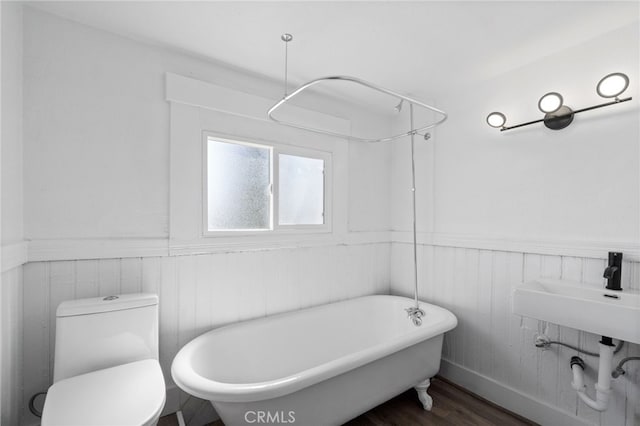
613,271
416,314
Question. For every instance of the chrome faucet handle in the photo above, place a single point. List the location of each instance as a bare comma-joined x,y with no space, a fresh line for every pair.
414,310
416,314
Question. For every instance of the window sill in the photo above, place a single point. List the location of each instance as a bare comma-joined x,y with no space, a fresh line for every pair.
300,231
252,242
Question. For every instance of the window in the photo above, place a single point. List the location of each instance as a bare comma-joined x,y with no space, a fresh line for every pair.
239,186
301,190
255,187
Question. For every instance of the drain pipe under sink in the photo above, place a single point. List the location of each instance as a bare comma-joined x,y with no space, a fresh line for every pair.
603,387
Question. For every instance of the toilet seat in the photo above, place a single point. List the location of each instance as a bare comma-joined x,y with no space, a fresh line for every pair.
131,394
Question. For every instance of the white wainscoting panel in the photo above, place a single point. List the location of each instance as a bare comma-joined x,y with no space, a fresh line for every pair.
14,255
497,346
197,293
12,350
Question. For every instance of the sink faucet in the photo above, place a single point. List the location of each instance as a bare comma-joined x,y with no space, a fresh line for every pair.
613,271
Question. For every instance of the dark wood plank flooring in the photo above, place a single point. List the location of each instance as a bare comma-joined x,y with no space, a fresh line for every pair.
452,406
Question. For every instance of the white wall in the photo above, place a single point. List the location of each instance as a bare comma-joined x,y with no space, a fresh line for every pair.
97,133
97,198
580,183
523,204
12,211
12,215
1,322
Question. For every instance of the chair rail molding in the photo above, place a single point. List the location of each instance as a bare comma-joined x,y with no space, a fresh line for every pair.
14,255
105,248
97,248
575,248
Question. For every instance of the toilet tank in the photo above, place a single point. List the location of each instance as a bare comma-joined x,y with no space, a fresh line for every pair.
102,332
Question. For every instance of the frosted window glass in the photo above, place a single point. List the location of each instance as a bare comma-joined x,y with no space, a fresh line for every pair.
238,183
301,190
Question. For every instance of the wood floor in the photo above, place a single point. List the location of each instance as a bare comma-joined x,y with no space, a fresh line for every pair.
452,406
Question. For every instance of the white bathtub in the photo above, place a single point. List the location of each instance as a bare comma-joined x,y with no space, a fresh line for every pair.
317,366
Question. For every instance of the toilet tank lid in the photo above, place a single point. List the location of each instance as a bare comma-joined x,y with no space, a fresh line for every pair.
96,305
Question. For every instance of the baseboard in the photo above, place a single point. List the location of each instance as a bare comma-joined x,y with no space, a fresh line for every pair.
507,397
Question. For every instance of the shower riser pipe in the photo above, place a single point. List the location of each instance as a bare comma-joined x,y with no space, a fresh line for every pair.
603,386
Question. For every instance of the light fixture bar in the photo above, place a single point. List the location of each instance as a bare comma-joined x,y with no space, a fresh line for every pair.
617,101
502,129
560,117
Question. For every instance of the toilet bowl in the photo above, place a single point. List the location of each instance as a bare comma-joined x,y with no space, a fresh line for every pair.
106,370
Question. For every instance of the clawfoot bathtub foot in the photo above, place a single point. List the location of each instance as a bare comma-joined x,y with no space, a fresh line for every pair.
425,399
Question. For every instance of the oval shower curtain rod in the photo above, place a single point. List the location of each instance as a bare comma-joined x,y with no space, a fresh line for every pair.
287,38
365,84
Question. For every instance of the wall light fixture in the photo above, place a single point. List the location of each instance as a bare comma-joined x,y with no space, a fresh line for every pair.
496,119
557,115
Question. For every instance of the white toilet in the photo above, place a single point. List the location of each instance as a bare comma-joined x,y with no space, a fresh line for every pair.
106,369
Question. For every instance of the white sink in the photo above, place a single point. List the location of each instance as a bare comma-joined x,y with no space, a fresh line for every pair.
607,313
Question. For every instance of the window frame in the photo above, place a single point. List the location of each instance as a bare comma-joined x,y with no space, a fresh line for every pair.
275,149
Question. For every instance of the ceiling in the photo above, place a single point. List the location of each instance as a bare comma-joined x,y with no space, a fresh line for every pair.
421,48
